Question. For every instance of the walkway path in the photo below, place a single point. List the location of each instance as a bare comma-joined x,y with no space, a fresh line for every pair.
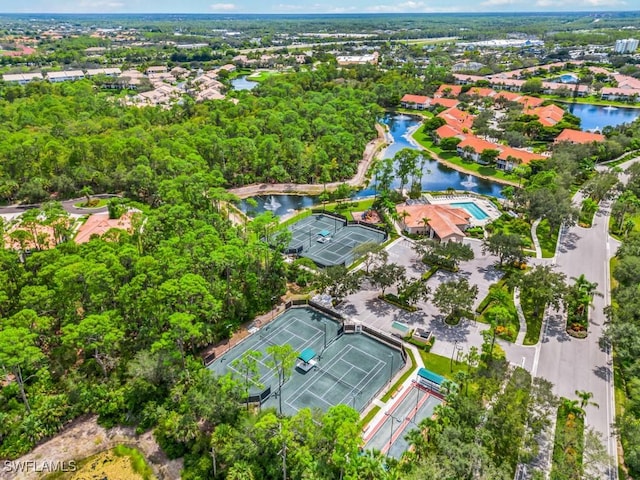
314,188
68,205
534,237
523,322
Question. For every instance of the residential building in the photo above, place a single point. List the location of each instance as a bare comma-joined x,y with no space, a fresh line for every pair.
627,45
67,76
21,78
448,91
549,115
416,102
578,136
441,222
109,72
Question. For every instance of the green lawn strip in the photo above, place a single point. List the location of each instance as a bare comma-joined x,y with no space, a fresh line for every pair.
296,218
410,111
424,139
534,323
347,208
567,446
369,416
403,378
548,239
591,100
441,365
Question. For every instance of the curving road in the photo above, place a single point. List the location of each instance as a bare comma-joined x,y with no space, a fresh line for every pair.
68,205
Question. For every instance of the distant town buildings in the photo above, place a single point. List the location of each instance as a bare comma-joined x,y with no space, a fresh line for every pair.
371,59
627,45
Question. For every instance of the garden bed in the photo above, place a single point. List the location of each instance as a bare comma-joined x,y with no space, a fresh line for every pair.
568,445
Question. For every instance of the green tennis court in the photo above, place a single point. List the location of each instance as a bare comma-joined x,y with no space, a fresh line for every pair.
329,240
413,406
351,370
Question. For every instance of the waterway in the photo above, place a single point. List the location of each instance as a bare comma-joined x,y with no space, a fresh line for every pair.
241,83
596,117
436,176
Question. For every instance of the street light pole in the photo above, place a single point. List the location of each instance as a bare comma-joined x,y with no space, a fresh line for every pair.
391,367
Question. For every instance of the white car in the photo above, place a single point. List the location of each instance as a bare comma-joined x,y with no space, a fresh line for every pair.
323,239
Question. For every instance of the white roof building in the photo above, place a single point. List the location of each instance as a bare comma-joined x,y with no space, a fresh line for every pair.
21,78
67,76
110,72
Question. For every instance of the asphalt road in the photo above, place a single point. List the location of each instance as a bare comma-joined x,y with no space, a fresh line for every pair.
68,205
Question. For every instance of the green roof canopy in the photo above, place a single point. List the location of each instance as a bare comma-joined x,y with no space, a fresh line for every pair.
429,375
307,355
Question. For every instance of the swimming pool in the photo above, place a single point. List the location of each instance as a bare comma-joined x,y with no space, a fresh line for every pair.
473,209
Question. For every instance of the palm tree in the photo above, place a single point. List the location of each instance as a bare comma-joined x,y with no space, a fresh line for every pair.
425,223
571,409
585,399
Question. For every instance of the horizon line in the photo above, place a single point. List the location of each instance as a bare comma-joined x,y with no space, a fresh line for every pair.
438,12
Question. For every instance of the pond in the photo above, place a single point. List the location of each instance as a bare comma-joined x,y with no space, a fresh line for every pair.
437,177
596,117
241,83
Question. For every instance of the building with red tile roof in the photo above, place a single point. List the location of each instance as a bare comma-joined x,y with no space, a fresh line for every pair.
457,118
578,136
477,145
442,222
445,102
549,115
448,91
448,131
416,102
481,92
511,157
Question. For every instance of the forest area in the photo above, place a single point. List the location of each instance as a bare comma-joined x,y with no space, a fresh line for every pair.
114,327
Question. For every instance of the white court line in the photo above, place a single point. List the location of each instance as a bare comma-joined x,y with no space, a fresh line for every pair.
295,408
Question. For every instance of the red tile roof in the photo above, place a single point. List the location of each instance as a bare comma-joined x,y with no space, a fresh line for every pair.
482,92
457,118
447,131
549,115
450,90
444,220
421,99
522,155
445,102
477,144
578,136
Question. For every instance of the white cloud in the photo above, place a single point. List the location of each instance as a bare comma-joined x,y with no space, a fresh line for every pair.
222,7
408,6
545,3
605,3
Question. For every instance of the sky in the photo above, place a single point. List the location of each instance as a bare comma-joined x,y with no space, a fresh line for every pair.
310,6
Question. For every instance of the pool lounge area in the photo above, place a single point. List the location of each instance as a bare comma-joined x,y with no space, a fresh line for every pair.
482,211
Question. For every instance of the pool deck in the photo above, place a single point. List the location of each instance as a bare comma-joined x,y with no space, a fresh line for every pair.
484,204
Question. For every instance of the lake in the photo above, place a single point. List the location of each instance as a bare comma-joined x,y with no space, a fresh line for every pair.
596,117
437,177
241,83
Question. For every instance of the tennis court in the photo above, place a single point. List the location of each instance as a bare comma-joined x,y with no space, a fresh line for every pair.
388,436
329,240
350,370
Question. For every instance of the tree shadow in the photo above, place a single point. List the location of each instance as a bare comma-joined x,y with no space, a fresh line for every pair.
556,327
602,372
491,273
569,242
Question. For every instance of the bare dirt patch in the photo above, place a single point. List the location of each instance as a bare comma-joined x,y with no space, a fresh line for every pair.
84,437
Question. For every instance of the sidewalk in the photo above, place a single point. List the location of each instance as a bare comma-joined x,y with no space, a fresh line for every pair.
534,237
523,322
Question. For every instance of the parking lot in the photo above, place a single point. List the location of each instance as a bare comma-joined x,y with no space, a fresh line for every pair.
365,306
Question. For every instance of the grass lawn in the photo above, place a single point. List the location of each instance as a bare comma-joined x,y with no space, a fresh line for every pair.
534,323
424,140
296,218
369,416
346,208
441,365
411,111
591,99
261,76
548,239
102,202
